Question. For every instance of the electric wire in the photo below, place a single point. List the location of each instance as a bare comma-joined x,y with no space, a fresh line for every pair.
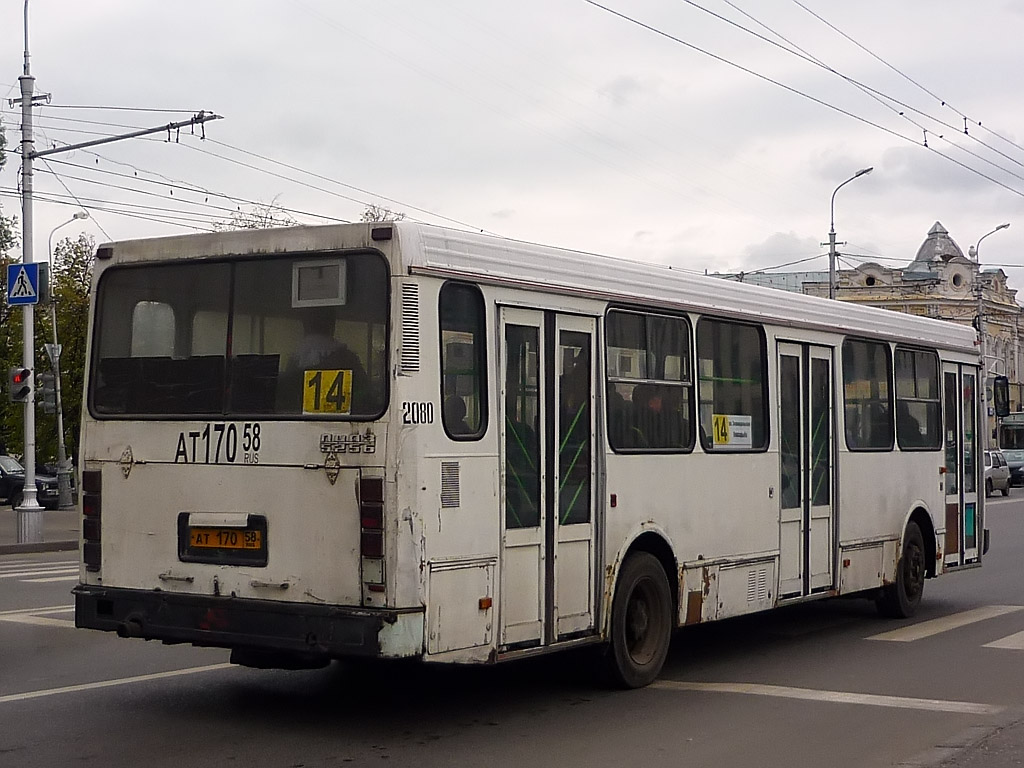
68,190
199,190
907,77
798,92
186,201
880,97
107,208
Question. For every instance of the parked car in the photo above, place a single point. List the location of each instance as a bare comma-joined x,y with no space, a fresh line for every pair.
12,484
997,473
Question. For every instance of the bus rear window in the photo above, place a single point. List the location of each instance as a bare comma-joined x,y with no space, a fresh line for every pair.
243,338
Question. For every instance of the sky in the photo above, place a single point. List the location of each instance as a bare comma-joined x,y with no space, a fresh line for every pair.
657,130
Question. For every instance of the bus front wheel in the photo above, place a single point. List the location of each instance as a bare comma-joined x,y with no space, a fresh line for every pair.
900,600
641,622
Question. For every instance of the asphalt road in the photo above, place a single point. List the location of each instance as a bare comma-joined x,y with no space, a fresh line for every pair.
826,683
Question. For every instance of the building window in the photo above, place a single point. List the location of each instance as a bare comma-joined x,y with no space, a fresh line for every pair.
918,408
650,384
731,365
463,361
867,372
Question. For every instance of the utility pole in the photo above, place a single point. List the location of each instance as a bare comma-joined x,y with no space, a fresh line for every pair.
30,518
975,252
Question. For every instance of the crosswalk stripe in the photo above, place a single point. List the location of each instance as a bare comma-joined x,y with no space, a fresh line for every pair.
1014,642
39,566
50,572
38,611
945,623
52,579
39,621
834,697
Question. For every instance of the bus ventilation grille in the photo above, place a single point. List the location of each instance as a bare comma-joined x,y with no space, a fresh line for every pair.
449,484
757,585
410,328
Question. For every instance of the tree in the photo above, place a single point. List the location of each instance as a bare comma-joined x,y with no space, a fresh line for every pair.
71,285
374,213
258,216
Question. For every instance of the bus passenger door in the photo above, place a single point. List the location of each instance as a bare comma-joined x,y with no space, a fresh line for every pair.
548,541
959,417
806,449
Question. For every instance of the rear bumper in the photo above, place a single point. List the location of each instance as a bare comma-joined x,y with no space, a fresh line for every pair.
228,622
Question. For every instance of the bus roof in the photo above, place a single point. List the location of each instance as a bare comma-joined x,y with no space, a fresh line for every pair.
447,252
426,249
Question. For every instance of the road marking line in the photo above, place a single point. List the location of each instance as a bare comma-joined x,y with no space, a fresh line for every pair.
1014,642
109,683
935,626
39,567
38,611
22,574
834,697
10,564
40,621
51,579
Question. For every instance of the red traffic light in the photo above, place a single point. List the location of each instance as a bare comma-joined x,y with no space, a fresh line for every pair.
19,383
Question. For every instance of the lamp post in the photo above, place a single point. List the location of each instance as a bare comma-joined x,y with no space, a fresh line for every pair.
832,232
63,470
975,252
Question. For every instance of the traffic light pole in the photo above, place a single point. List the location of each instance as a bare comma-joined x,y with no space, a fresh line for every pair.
63,469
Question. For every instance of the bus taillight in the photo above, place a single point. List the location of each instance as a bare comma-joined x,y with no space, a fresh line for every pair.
371,537
91,527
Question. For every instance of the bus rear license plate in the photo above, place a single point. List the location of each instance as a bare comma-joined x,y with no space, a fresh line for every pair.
223,544
225,538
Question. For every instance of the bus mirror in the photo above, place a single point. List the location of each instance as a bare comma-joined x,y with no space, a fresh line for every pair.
1001,395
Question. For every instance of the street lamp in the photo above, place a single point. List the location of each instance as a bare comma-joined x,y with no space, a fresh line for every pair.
63,470
974,252
832,233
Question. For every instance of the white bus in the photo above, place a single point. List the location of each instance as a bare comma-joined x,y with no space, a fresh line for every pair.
394,440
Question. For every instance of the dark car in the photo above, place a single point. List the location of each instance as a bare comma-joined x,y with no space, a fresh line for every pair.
12,484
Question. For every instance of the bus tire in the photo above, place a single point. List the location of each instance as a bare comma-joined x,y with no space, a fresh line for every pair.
901,599
641,627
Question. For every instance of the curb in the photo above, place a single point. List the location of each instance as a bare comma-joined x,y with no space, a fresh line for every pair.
41,546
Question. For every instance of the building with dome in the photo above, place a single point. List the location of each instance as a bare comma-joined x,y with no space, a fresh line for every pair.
940,282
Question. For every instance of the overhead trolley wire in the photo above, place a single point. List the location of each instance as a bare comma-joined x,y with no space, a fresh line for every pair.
881,97
798,92
907,77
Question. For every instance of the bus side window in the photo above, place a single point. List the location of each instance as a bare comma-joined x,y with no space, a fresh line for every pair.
461,320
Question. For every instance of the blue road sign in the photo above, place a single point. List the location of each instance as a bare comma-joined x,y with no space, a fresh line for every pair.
22,284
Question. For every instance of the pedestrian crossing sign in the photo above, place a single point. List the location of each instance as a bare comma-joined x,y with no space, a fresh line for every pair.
22,284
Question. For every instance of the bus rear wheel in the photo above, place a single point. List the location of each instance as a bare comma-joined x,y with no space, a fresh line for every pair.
901,599
641,627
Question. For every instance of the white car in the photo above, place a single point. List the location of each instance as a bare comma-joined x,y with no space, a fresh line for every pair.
997,473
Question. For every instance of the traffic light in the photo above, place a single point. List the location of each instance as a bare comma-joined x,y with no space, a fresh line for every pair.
19,381
46,392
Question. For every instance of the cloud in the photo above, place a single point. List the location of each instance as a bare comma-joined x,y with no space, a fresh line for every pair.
782,248
623,90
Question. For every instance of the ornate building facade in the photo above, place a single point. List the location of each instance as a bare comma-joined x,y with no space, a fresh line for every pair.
940,282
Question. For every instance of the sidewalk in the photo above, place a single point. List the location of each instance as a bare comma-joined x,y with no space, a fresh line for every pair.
60,531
